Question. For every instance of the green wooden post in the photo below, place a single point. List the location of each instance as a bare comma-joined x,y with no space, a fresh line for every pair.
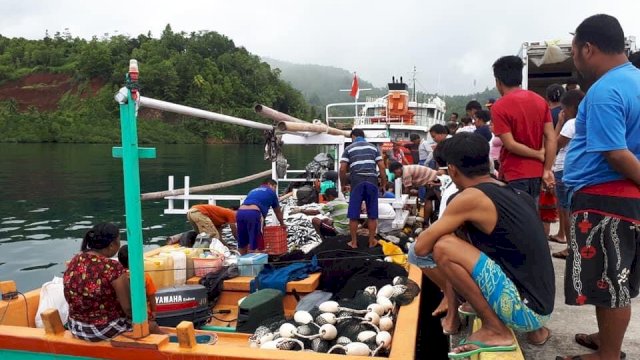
131,173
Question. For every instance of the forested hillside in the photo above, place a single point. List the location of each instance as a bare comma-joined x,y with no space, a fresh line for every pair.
60,88
320,84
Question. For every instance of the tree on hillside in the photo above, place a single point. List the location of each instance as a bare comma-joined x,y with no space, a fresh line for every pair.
202,69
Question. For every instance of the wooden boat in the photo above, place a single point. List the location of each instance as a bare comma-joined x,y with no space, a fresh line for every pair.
20,339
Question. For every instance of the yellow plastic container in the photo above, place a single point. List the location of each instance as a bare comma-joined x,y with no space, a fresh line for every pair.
192,253
160,268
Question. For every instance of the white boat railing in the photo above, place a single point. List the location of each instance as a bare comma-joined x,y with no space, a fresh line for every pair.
187,197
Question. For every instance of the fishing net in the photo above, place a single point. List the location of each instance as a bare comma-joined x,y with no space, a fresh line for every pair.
347,326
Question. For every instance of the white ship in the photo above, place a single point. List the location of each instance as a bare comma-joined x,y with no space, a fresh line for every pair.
394,116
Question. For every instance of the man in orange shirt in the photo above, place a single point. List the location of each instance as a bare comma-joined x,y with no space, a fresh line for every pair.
210,218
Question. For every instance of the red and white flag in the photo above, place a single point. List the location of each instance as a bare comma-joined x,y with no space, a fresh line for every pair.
355,90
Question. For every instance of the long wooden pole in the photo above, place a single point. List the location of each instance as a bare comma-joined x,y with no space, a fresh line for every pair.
318,128
276,115
162,194
209,115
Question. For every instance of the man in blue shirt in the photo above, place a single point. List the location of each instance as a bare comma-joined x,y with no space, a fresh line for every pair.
250,216
360,159
602,173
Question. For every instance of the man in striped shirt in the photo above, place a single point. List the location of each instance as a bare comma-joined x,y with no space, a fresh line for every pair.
363,162
413,176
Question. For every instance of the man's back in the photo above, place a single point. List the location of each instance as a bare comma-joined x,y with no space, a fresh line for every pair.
218,215
362,158
522,113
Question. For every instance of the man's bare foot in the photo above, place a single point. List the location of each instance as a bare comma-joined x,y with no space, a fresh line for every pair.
353,244
442,308
488,337
373,243
539,337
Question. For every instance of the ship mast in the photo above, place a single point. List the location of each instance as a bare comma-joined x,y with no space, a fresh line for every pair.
415,94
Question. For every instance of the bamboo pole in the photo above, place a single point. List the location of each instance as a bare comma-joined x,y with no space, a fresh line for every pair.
209,115
162,194
276,115
317,128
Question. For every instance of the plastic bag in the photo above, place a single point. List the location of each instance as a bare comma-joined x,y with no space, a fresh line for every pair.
217,246
52,297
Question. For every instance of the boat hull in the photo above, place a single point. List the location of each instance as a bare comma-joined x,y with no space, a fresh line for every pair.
23,341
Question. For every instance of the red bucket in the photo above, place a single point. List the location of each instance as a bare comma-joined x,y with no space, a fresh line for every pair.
275,240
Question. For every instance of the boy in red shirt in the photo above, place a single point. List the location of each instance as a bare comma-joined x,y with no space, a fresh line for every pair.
522,120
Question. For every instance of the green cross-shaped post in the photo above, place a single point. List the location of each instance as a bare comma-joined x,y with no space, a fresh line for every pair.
130,154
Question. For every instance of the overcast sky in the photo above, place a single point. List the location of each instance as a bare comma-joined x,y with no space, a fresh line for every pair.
451,42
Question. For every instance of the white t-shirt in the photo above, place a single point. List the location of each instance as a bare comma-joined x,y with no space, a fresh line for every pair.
385,225
447,189
568,131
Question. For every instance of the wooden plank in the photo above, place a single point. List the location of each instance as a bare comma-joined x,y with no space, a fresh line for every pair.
242,283
52,322
186,335
17,312
512,355
153,342
405,335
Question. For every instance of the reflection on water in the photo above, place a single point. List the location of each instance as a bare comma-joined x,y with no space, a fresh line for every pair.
52,193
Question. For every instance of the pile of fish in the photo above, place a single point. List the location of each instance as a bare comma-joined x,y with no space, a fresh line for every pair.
300,232
362,326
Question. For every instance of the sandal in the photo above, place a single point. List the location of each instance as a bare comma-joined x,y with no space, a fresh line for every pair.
541,343
555,239
466,313
586,340
482,347
561,255
450,333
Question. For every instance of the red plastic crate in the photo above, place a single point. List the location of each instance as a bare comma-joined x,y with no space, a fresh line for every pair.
275,240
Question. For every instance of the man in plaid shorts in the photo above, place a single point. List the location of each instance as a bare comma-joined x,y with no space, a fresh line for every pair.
602,172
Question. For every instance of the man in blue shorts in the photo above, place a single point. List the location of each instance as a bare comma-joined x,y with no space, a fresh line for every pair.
250,216
602,174
505,272
363,162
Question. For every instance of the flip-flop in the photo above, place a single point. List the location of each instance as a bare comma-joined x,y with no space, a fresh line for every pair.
561,254
482,347
541,343
450,333
465,313
555,240
586,341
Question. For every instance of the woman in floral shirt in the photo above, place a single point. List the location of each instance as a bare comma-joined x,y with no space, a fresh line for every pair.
96,287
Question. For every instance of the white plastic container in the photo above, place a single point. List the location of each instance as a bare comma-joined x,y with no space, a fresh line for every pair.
179,268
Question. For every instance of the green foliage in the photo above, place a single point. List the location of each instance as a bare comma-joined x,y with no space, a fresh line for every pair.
201,69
